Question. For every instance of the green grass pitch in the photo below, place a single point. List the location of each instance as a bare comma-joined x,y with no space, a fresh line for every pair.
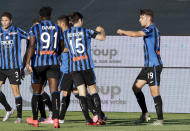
74,121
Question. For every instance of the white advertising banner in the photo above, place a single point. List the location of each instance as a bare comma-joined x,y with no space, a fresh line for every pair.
118,61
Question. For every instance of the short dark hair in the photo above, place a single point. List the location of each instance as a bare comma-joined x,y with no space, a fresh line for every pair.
64,18
36,20
147,12
45,11
7,14
74,18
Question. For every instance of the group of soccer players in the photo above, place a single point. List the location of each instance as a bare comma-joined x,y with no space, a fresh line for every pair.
60,55
49,48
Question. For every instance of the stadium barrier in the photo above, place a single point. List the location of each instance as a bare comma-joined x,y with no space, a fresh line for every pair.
118,61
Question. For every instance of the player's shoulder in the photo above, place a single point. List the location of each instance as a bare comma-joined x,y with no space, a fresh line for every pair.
16,29
152,26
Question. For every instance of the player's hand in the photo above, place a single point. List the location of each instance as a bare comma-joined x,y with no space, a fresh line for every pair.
99,28
29,68
120,32
22,73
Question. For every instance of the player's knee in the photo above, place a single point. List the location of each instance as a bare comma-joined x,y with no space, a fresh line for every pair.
136,88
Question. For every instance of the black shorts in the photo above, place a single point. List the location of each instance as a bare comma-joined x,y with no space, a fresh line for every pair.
86,77
12,74
151,75
66,82
42,73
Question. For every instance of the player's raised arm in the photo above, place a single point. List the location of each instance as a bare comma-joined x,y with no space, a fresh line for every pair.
101,36
131,33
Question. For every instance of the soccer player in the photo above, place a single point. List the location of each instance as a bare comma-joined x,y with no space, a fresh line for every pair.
47,41
65,82
44,97
78,40
10,60
151,72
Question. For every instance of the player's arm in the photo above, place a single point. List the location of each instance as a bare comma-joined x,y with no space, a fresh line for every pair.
25,55
23,34
131,33
101,34
31,49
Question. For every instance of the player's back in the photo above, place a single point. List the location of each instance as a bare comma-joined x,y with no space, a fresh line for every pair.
78,40
48,36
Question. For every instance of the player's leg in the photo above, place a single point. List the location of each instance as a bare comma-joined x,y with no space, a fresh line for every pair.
80,84
3,100
38,79
137,89
90,80
35,106
53,80
91,108
41,106
65,84
53,85
155,92
64,105
75,92
47,100
18,102
14,78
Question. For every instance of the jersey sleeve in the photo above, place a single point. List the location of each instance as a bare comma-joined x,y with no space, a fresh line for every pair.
92,33
148,31
23,34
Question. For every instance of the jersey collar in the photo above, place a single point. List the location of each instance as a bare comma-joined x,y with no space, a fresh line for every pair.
10,27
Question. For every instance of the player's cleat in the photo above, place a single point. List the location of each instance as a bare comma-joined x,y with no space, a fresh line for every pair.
61,121
157,123
35,123
101,122
92,123
143,118
41,119
56,123
30,121
95,118
47,121
18,121
7,115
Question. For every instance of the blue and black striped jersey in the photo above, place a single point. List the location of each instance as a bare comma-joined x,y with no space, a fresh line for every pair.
78,40
65,63
152,46
10,47
48,37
